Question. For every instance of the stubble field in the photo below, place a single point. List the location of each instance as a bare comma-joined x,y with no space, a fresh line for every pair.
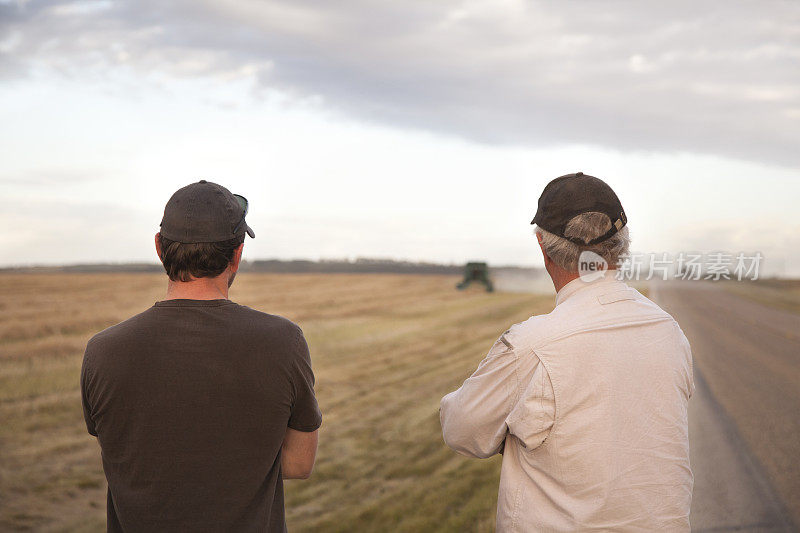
385,349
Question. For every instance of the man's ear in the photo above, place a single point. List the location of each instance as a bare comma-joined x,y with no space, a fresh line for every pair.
237,258
544,253
158,246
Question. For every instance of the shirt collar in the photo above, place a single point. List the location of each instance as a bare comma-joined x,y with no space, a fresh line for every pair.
578,284
186,302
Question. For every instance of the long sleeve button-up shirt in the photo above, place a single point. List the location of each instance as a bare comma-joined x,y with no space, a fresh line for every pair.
589,405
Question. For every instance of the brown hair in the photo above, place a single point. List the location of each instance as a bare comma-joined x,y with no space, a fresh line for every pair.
186,261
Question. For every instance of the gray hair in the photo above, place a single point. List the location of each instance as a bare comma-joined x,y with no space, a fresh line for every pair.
586,227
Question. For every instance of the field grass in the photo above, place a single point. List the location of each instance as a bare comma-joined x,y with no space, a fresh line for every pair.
385,348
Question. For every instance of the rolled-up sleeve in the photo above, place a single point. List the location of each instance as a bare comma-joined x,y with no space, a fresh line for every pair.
473,418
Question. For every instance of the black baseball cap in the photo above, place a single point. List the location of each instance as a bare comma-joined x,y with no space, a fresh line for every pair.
205,212
574,194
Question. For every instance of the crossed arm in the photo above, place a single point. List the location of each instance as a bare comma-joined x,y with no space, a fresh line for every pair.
473,418
299,448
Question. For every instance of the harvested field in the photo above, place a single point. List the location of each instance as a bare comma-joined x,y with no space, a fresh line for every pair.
385,349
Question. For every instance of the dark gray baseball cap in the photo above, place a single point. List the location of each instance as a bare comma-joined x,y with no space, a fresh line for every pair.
574,194
205,212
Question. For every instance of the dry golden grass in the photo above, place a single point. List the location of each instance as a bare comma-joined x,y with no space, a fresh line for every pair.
385,349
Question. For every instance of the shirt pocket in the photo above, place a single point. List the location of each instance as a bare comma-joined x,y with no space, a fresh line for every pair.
532,417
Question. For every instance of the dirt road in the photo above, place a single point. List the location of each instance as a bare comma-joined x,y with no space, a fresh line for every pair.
745,415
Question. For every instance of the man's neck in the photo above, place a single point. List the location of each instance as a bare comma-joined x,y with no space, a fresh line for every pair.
563,277
198,289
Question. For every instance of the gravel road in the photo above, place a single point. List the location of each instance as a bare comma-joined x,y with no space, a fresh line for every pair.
745,415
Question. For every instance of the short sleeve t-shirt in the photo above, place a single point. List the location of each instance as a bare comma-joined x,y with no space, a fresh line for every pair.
190,401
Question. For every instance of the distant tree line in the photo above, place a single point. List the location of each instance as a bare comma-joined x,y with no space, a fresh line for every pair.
360,265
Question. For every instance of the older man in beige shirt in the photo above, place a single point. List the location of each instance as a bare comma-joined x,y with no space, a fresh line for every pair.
588,404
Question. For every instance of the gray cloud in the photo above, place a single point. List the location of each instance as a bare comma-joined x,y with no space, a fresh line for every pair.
710,77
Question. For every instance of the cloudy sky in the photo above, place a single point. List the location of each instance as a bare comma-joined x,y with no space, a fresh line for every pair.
407,129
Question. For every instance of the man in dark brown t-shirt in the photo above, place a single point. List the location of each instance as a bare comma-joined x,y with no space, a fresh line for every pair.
201,406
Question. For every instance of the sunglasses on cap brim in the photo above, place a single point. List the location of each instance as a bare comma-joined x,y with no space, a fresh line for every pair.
244,204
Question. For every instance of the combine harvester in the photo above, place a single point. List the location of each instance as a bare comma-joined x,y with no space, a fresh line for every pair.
478,272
